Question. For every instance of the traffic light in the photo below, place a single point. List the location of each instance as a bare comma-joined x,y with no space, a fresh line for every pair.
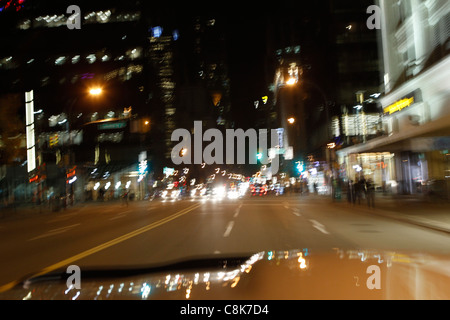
300,166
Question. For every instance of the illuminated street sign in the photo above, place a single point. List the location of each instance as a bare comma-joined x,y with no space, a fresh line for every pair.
29,114
109,126
399,105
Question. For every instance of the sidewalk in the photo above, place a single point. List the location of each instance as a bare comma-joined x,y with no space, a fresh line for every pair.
25,210
412,209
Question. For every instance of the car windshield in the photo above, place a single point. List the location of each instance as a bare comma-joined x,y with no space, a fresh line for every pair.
139,134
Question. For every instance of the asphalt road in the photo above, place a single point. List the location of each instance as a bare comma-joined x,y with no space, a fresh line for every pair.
147,233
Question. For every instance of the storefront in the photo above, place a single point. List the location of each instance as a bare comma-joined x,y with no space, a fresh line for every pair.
412,156
378,167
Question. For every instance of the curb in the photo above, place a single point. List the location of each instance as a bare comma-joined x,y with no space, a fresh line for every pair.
404,218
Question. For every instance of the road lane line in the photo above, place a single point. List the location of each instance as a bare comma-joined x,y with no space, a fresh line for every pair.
103,246
296,212
319,226
59,219
66,216
117,217
54,232
120,215
66,227
236,213
228,230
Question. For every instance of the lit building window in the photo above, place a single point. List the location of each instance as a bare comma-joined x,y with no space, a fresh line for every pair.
60,61
91,58
76,59
50,21
98,17
134,53
24,25
45,81
175,35
7,63
157,31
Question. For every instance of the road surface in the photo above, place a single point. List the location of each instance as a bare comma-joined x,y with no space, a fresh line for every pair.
147,233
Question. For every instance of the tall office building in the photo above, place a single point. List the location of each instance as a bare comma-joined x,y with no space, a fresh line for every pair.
300,44
61,65
355,73
355,54
204,80
412,157
161,55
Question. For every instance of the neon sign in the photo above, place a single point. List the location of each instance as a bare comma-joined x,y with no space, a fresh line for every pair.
399,105
9,4
406,101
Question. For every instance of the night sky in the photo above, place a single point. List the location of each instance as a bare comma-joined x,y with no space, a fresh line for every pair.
253,31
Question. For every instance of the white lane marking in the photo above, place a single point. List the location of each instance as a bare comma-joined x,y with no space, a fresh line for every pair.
229,228
319,226
236,213
117,217
54,232
66,216
296,212
58,219
120,215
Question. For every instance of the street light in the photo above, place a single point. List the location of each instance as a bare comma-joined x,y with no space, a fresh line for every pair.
291,120
291,81
95,91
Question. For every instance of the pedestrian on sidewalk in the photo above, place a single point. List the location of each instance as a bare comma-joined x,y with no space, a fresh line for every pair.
350,191
370,193
125,198
359,190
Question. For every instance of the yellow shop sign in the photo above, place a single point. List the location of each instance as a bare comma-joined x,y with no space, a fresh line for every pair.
399,105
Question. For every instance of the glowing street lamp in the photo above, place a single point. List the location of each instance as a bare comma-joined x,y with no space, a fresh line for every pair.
291,81
95,91
291,120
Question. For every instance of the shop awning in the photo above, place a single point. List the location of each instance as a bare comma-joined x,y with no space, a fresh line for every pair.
436,130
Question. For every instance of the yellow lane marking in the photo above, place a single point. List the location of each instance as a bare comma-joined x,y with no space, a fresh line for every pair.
103,246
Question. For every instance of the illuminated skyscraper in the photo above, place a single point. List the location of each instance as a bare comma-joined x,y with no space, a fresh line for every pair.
161,55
